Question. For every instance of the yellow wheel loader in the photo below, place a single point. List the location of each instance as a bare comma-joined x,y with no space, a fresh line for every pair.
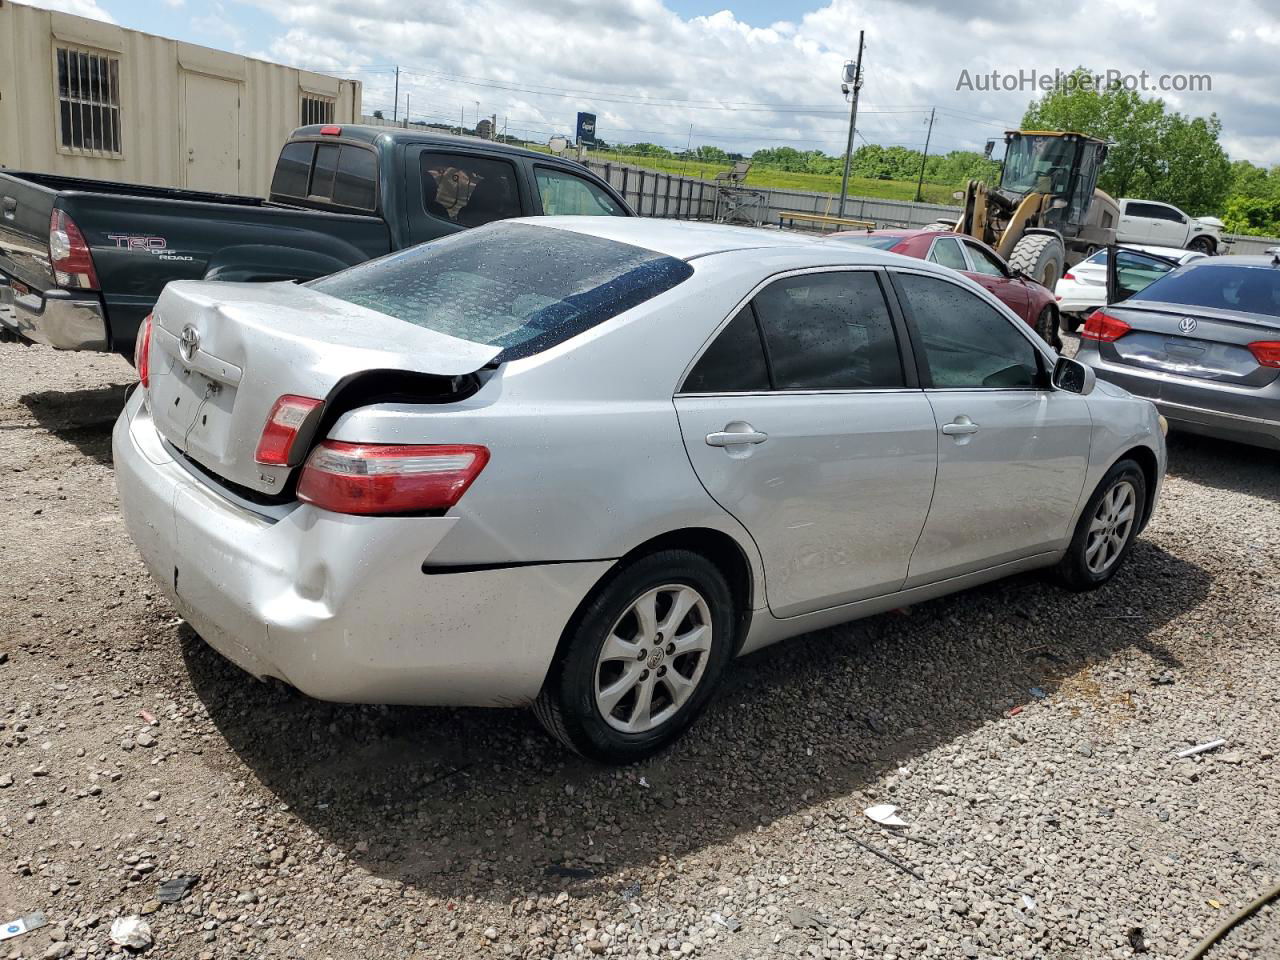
1046,214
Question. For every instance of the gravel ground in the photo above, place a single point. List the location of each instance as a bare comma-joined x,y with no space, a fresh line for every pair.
1025,733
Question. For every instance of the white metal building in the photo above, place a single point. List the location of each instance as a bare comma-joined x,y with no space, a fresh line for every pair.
83,98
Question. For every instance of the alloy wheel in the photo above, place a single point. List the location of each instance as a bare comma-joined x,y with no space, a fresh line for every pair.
1109,529
653,658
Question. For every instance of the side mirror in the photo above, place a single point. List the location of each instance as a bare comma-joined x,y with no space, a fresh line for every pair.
1072,376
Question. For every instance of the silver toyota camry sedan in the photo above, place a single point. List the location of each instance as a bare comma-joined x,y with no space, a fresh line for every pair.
583,463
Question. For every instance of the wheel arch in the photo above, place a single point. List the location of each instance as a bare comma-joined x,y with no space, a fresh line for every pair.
1146,460
717,546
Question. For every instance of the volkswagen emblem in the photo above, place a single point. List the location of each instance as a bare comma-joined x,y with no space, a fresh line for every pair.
1188,324
189,342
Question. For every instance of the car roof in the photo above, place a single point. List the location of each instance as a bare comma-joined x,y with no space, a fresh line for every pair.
682,239
1232,261
368,133
905,233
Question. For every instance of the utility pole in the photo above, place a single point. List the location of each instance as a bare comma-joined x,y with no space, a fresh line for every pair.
853,121
689,146
395,102
925,158
406,110
462,120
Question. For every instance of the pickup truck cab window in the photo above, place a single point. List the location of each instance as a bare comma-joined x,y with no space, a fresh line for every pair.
468,191
563,193
293,169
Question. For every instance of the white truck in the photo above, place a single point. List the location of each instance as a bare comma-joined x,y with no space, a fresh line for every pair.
1160,224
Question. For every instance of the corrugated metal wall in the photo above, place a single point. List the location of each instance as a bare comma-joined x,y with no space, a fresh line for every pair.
151,101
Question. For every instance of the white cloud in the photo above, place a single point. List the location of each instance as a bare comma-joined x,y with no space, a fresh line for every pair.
81,8
915,53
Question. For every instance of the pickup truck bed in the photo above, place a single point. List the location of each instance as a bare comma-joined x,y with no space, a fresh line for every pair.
82,262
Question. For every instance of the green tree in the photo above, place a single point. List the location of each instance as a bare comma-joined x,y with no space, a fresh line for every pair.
1156,154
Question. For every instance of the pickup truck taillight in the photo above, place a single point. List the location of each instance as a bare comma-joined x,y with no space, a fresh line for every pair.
373,478
142,353
69,254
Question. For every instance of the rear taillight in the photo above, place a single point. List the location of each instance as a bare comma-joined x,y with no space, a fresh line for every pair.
142,353
384,479
1068,275
284,423
69,254
1102,326
1266,352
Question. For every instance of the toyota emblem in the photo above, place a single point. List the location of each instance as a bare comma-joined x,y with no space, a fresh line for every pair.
1188,324
189,342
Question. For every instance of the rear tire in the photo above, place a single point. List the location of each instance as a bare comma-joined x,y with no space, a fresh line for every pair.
641,659
1040,256
1106,530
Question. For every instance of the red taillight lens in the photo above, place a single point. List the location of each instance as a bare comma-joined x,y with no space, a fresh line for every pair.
69,254
1102,326
383,479
1068,275
1266,352
284,422
142,353
331,130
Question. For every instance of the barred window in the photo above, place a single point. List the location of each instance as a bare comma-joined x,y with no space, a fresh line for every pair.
89,101
316,110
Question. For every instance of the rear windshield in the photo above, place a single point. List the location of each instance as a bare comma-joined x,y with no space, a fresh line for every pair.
1219,287
880,243
517,286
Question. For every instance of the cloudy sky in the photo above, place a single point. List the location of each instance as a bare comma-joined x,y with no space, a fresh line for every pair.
744,73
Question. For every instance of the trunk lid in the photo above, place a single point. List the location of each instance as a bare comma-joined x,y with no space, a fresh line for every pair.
223,353
1197,342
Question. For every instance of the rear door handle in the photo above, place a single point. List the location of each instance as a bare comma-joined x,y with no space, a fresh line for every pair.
9,206
735,433
961,427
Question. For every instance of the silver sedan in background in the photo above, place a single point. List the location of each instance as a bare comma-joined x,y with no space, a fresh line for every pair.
1202,343
582,463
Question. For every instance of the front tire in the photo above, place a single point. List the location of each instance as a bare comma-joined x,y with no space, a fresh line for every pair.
1106,530
641,659
1047,326
1040,256
1203,244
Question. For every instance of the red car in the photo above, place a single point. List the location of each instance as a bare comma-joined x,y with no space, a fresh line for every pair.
1029,300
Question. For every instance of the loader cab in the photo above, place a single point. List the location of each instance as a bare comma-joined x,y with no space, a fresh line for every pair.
1064,166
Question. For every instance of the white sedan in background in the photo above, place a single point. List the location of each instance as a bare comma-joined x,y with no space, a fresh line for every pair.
1083,288
581,463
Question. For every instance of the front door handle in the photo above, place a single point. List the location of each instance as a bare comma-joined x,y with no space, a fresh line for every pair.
739,431
962,426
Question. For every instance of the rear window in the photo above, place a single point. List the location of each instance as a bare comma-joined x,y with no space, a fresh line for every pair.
1245,289
879,243
517,286
292,169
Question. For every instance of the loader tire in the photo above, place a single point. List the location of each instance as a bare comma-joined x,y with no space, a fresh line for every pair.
1040,256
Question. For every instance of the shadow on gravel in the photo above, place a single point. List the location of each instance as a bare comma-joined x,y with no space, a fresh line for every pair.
481,802
1225,465
83,418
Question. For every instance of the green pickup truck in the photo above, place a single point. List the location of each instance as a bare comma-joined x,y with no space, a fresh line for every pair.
83,261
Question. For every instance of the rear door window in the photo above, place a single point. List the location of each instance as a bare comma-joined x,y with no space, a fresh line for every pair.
292,169
468,191
322,174
563,193
829,331
517,286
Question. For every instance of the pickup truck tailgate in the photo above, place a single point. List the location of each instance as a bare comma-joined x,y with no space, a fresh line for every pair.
222,354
